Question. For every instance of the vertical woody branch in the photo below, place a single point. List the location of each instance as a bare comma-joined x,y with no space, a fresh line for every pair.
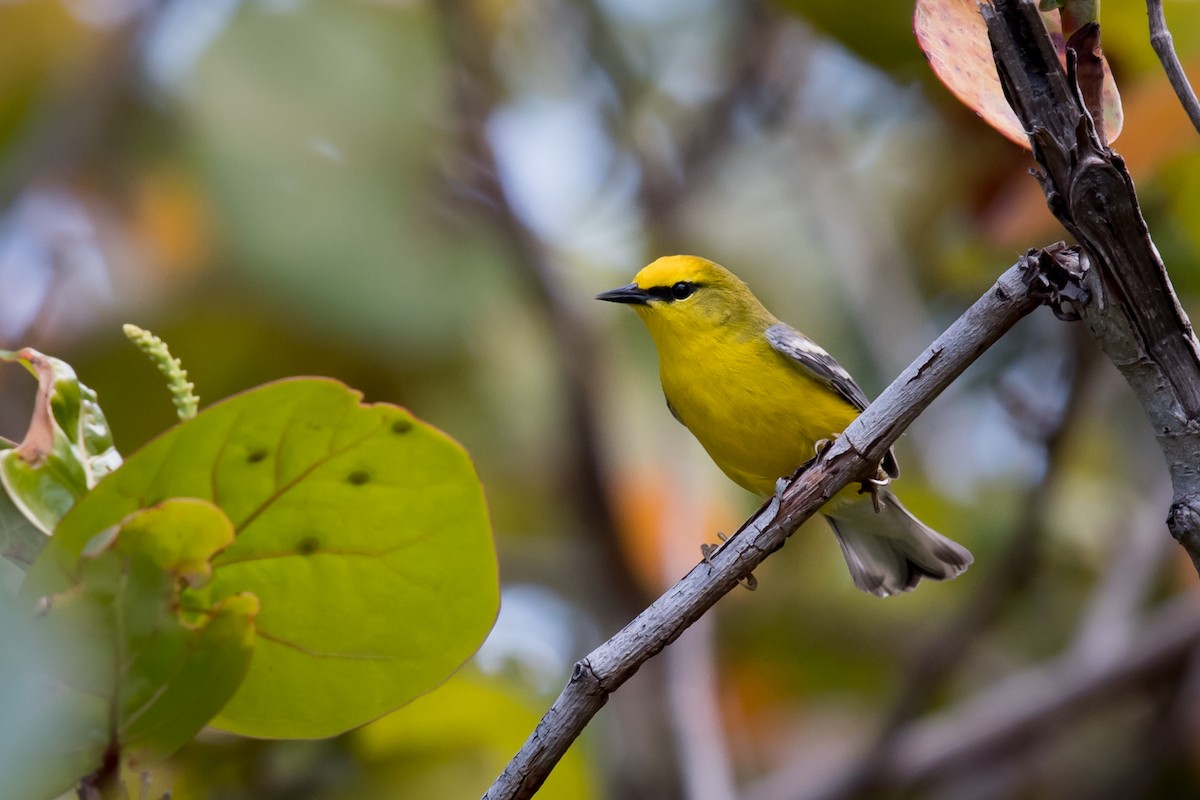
1134,315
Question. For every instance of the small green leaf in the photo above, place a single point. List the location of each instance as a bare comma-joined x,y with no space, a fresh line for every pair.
67,449
1077,13
150,662
193,690
362,531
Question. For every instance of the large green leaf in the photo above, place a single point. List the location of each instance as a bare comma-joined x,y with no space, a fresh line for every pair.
362,531
147,662
67,449
20,540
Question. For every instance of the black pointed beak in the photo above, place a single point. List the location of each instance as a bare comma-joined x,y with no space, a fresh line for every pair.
630,293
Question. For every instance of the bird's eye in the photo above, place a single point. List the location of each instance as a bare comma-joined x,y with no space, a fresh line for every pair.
682,290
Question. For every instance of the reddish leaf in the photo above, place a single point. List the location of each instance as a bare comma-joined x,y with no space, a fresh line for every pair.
954,38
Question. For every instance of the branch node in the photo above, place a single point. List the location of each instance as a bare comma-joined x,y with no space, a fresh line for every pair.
1183,521
1054,275
935,353
584,676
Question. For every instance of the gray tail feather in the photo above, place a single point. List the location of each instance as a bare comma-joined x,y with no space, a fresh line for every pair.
889,551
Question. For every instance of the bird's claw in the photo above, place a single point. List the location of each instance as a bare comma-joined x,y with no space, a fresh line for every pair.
707,551
872,486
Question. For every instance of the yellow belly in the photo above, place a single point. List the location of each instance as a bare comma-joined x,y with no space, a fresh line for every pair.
757,416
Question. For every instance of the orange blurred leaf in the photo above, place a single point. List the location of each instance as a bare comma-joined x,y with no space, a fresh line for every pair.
661,528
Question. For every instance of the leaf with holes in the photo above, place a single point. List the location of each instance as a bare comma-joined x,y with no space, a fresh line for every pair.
362,531
149,662
954,38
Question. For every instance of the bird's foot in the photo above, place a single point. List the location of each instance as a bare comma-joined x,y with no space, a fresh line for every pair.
707,551
872,486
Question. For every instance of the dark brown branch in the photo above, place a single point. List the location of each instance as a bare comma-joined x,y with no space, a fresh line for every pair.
1164,46
851,458
1136,318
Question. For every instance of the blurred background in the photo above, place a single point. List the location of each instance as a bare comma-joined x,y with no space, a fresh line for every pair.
420,198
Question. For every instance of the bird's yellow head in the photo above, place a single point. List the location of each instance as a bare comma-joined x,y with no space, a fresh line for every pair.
689,296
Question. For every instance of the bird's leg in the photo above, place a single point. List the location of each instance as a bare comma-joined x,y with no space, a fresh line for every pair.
764,517
819,448
872,486
709,550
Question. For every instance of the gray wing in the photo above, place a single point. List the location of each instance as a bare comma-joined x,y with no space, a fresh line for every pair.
815,361
790,342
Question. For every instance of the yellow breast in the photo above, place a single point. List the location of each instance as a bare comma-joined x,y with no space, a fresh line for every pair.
757,415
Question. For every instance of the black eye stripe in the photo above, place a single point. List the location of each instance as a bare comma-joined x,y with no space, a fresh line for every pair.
680,290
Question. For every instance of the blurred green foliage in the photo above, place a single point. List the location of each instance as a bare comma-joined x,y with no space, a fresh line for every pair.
420,199
142,669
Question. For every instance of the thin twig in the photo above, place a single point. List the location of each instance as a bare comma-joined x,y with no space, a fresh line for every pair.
641,730
1163,741
1016,715
690,665
852,457
1013,712
754,40
1164,46
695,713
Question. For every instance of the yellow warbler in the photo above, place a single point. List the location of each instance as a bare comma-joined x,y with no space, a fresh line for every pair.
759,395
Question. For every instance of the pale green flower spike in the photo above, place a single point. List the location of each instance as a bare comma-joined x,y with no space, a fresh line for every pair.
182,394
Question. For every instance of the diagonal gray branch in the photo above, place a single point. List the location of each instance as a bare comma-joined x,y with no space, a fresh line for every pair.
851,458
